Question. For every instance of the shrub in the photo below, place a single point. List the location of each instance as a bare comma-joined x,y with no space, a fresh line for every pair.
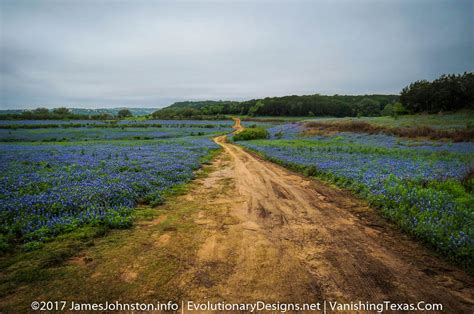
124,113
310,171
251,134
468,179
387,110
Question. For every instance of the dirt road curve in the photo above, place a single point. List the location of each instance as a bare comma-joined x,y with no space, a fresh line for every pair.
289,238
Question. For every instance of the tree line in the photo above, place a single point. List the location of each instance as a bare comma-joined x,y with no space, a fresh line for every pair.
62,113
307,105
447,93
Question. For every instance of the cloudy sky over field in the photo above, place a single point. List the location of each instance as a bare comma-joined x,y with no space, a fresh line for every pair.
149,54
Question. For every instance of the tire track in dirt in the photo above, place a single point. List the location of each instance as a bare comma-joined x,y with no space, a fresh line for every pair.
294,239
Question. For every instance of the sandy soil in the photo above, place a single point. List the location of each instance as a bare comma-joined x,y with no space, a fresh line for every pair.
296,239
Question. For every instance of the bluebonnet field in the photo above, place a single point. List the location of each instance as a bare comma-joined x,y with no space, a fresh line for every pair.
51,188
79,130
420,184
91,133
92,122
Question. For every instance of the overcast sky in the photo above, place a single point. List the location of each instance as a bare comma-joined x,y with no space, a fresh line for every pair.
151,53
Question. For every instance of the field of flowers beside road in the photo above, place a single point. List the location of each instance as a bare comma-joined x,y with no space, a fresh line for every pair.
47,189
88,134
425,186
79,130
120,122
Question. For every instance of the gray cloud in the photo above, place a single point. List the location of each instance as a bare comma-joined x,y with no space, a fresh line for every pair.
147,53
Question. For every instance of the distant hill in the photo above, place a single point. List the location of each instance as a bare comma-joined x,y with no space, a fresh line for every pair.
93,112
11,111
113,111
199,104
304,105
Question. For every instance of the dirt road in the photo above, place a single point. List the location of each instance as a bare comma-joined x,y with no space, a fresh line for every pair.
295,239
247,231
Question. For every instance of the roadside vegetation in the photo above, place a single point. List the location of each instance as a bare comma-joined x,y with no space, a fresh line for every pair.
251,134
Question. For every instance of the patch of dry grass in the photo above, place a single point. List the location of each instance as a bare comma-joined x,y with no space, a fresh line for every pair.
315,127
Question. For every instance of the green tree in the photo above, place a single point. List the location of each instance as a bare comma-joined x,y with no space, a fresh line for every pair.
62,111
253,111
398,109
190,112
124,113
448,92
367,107
387,110
41,111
